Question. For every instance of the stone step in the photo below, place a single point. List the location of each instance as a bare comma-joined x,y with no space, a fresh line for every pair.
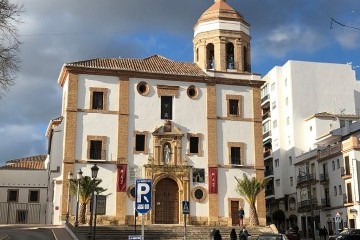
166,232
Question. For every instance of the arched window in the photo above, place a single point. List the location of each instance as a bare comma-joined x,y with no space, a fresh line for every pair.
230,55
210,56
197,54
247,66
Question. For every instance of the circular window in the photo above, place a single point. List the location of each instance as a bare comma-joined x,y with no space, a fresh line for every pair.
131,192
192,92
198,194
143,88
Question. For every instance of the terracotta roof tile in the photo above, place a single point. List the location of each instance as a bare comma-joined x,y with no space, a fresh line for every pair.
33,162
152,64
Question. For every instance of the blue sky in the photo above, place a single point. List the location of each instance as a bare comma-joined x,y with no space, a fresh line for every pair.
54,32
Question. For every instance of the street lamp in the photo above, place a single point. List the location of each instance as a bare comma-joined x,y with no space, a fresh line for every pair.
308,179
94,172
70,176
78,177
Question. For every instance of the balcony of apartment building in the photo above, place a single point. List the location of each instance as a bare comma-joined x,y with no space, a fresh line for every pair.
269,192
345,172
324,178
331,150
265,100
267,153
303,180
307,205
266,115
325,203
348,199
267,136
269,172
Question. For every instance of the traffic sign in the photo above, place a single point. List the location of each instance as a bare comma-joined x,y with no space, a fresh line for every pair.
134,237
186,207
337,218
143,194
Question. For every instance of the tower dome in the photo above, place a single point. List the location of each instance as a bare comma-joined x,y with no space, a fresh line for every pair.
222,39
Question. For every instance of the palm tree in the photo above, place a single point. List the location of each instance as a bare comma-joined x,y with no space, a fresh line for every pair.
250,189
85,191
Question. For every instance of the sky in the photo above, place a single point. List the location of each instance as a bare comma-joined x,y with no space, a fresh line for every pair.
55,32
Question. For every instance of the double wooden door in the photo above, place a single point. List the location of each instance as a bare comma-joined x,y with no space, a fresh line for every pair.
234,212
167,202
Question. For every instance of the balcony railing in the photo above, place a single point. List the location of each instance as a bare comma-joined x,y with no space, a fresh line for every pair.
347,199
267,134
265,98
305,178
269,172
266,115
307,202
325,202
345,172
97,155
324,177
269,192
267,153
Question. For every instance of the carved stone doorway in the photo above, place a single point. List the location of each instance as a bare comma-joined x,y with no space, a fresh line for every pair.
167,202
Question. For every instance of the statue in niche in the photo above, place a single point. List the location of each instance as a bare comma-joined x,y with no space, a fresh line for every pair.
166,153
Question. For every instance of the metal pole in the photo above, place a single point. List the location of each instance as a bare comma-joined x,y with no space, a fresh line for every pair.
135,213
142,226
68,204
77,205
92,210
94,207
185,237
311,206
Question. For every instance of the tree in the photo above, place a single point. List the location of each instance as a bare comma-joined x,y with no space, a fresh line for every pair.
85,192
9,45
250,189
278,217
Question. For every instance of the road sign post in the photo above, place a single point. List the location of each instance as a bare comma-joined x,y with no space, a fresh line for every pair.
337,222
143,196
186,210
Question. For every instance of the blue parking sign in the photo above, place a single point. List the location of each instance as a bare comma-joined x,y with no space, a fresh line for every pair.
143,194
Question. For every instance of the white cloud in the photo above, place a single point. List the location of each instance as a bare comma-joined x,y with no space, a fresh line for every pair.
348,39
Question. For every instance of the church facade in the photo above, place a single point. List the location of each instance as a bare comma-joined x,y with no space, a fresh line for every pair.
189,127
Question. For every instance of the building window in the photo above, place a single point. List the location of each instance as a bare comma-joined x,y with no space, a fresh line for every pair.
335,191
236,153
210,64
275,124
230,55
166,107
198,175
98,98
276,162
272,86
34,196
140,142
198,194
192,92
273,104
340,190
291,181
290,160
143,88
333,165
194,144
338,163
234,105
96,147
286,101
277,182
13,195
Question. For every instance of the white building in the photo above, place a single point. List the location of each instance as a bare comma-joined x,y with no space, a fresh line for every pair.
301,102
124,115
23,191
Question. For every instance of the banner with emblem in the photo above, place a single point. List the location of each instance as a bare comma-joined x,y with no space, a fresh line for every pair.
121,178
213,178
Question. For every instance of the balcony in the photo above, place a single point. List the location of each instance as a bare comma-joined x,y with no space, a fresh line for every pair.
266,135
269,192
304,179
97,155
266,115
267,153
345,173
325,203
306,205
269,172
347,199
324,178
330,151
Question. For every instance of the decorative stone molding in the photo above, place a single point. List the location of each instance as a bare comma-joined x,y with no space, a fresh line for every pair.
242,152
164,90
143,88
239,98
105,98
103,140
195,196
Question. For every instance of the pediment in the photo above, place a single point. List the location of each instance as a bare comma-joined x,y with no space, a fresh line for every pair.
168,129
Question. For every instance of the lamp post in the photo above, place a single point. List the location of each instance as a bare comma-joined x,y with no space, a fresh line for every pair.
70,176
308,180
94,172
78,176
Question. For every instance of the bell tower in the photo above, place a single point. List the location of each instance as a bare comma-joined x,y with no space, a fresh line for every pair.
222,40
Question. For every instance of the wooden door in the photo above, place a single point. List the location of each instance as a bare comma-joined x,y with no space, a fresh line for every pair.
167,202
234,212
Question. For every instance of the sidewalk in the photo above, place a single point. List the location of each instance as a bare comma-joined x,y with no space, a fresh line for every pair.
60,233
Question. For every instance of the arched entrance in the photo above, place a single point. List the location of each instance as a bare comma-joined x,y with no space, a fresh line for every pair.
167,202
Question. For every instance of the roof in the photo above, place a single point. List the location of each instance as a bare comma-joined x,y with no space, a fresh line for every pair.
31,163
221,10
333,115
152,64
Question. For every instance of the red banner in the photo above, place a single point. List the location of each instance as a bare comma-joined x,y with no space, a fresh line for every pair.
121,178
213,178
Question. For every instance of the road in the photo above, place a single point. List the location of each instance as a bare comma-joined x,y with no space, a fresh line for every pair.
25,234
